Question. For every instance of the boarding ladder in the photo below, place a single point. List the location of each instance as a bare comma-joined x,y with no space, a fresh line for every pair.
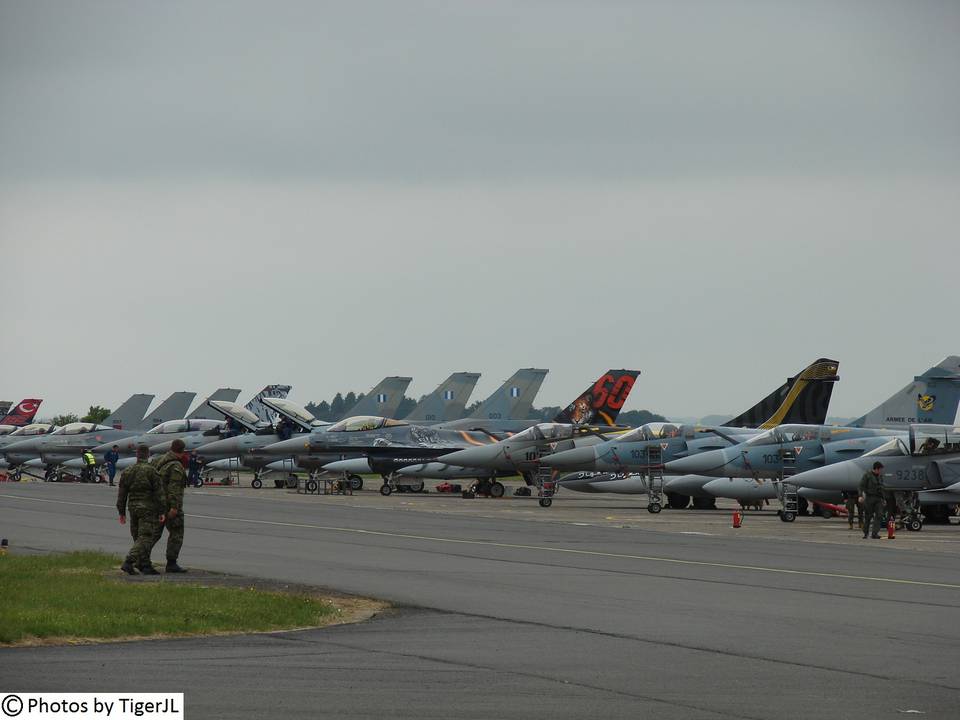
787,491
654,478
546,485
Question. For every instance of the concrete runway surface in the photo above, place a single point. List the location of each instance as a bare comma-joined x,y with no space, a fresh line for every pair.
593,608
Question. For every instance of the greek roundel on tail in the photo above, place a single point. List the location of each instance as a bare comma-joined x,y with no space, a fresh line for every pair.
22,413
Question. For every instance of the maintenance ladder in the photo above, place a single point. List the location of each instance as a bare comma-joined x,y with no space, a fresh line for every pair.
546,485
654,478
787,491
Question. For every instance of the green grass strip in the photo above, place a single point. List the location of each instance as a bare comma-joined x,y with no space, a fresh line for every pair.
69,597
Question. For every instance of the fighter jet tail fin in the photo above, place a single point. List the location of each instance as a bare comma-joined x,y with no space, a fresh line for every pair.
263,413
932,397
22,413
173,408
600,404
514,399
205,412
384,400
803,398
129,415
447,402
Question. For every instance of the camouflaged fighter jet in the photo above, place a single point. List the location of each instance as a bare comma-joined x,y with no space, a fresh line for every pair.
73,439
620,465
508,407
593,413
925,461
753,469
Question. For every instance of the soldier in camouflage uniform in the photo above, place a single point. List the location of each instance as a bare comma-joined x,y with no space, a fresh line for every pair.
173,475
141,490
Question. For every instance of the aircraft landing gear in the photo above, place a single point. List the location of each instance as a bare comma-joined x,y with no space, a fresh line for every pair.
385,489
356,482
654,508
256,483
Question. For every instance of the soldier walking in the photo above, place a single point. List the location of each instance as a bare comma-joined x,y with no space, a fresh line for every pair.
852,502
172,468
871,495
141,491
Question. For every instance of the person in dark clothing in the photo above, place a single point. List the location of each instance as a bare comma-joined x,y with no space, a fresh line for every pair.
852,502
111,458
193,470
871,495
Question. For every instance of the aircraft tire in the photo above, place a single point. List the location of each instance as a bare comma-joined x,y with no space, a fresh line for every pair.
546,502
291,482
256,483
311,486
825,513
356,482
654,508
915,525
676,501
704,503
385,490
497,489
788,516
416,487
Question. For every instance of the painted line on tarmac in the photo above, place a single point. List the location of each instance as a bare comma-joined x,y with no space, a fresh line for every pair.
538,548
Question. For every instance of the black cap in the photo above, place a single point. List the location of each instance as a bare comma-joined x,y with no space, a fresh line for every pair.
878,465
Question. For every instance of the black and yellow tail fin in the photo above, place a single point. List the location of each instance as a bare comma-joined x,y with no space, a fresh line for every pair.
803,398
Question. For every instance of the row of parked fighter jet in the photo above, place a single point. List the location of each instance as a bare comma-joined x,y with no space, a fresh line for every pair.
780,440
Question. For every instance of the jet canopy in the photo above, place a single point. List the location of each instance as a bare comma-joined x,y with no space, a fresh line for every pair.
934,439
895,447
360,423
555,432
32,429
656,431
182,426
293,412
79,428
238,413
787,434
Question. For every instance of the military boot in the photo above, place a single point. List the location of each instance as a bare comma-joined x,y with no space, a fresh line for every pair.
147,570
127,567
172,567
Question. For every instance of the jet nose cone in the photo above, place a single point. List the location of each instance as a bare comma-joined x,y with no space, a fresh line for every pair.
471,457
842,476
705,463
576,459
293,446
220,448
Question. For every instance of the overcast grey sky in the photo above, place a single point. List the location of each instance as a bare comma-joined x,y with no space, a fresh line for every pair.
196,194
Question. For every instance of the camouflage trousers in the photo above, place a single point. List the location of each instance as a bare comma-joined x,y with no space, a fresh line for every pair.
174,537
145,528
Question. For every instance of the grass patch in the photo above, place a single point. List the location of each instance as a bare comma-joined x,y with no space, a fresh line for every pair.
71,597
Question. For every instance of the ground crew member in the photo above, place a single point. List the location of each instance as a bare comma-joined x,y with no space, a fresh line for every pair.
111,459
852,502
172,468
194,470
141,490
89,465
871,495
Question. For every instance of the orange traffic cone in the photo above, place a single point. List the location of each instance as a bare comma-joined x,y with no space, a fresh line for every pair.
737,518
891,525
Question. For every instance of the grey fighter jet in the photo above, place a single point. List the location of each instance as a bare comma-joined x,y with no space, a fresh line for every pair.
596,407
72,440
621,464
17,460
756,468
448,400
506,410
926,461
